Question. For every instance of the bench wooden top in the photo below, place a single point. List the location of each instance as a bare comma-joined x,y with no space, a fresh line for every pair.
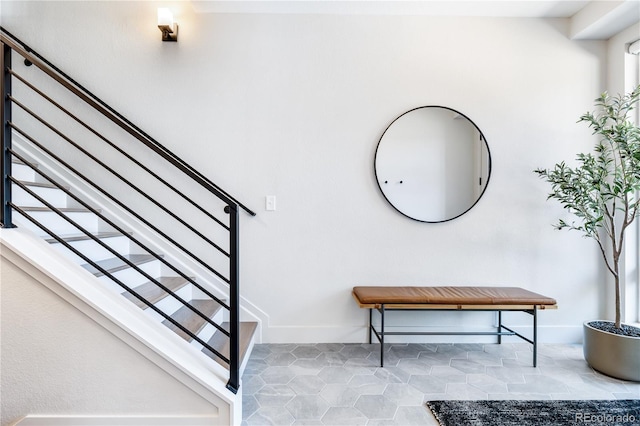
450,298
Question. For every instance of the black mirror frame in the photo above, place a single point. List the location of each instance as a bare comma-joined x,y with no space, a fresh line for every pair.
489,163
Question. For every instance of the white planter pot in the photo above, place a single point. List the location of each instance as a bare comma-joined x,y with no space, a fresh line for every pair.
612,354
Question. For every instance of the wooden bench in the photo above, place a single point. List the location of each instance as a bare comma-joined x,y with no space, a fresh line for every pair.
497,299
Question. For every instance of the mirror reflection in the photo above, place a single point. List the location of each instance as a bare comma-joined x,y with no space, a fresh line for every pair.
432,164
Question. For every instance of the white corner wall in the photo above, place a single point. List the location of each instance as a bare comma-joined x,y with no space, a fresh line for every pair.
294,105
57,361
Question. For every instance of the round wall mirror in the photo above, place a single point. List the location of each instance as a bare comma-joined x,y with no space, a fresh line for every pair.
432,164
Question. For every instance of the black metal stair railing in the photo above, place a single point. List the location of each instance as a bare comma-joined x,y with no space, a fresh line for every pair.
31,131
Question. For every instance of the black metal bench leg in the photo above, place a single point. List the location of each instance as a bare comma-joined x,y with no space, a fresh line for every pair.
370,323
499,327
535,336
382,336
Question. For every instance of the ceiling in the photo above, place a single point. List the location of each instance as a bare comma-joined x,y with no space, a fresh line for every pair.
497,8
593,20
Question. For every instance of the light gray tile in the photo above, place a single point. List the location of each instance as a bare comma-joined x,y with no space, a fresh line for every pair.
403,395
307,407
356,351
249,406
428,384
630,395
335,375
418,366
450,351
393,375
277,375
362,362
577,365
338,395
376,407
519,396
340,416
307,366
469,347
485,358
251,384
280,359
365,386
415,416
348,380
405,351
332,358
487,383
503,351
306,351
430,359
255,366
270,416
260,351
538,384
307,385
308,423
464,391
467,366
450,374
282,347
329,347
274,395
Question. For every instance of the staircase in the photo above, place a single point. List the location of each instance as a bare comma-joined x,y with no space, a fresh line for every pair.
130,270
184,289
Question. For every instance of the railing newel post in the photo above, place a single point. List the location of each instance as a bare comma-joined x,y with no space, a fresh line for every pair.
5,142
234,299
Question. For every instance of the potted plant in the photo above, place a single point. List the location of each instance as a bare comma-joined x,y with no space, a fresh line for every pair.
602,192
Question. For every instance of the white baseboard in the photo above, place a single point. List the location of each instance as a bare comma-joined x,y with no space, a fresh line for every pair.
42,420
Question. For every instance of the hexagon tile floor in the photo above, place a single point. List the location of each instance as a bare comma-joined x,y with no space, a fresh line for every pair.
342,384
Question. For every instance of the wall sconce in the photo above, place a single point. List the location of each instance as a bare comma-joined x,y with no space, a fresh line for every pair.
168,28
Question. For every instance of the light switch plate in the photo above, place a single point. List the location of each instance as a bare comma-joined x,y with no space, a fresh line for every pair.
270,203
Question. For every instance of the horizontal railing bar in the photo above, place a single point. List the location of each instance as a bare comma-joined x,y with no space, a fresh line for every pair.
115,252
123,232
100,106
118,202
118,175
117,281
117,148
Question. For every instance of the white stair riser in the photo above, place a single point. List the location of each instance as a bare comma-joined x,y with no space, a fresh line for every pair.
93,250
58,224
24,173
131,277
169,305
55,196
208,330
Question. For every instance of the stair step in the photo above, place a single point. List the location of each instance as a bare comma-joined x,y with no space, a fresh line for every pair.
220,342
153,293
115,264
190,320
83,237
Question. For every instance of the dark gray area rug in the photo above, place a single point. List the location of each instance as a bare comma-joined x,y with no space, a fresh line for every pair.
548,413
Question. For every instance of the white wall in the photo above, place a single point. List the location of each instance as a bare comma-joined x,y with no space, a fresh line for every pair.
58,361
623,75
293,106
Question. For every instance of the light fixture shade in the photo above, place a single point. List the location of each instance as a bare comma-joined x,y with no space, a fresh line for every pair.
166,25
165,17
